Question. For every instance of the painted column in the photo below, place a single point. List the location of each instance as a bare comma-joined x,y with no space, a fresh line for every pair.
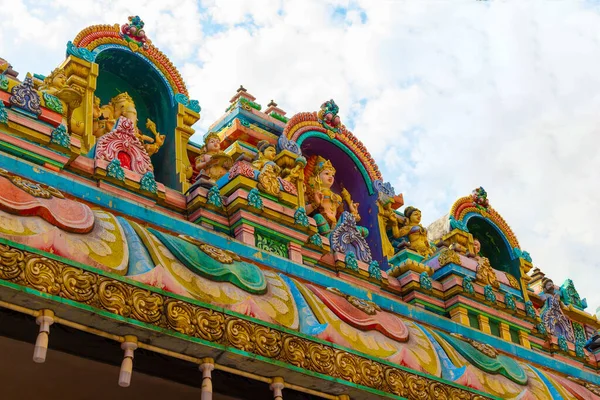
44,320
245,234
524,339
505,332
277,387
484,324
460,315
129,345
208,364
295,252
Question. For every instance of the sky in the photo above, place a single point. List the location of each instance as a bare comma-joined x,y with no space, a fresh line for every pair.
447,95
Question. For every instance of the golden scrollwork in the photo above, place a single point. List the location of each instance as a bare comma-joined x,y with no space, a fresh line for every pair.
78,285
41,274
146,306
33,188
482,347
448,256
210,324
130,301
114,296
179,317
223,256
366,306
512,280
11,263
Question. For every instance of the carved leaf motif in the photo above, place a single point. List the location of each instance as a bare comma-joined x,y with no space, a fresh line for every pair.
267,341
396,381
11,261
371,373
347,366
147,306
113,296
239,334
321,359
78,285
210,325
179,317
417,387
41,273
294,351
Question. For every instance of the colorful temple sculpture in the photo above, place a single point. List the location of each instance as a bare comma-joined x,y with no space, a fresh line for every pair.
269,261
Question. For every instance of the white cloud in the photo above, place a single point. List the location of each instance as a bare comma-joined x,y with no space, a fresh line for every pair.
446,95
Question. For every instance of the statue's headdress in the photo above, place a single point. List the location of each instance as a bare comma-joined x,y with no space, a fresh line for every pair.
264,145
408,211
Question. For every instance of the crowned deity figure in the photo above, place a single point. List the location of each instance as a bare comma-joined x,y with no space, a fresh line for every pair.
122,105
321,201
552,315
485,273
212,163
55,82
269,171
414,231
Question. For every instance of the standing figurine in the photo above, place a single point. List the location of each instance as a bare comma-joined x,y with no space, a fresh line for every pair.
485,273
212,163
416,234
321,199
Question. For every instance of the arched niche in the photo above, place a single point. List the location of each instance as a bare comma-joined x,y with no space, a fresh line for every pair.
494,245
121,70
352,175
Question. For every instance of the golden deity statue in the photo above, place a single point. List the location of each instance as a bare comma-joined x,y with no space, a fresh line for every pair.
212,163
414,231
122,105
269,171
55,82
485,273
321,198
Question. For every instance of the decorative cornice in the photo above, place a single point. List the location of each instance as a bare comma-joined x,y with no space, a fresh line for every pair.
34,271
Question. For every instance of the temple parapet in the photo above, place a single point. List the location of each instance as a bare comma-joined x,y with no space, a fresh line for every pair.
275,239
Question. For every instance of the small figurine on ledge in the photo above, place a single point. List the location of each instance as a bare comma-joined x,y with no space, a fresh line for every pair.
552,315
414,231
55,82
269,171
485,273
321,199
212,163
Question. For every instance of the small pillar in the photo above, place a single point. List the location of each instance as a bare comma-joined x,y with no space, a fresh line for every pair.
44,320
505,331
272,107
524,339
277,386
129,345
295,252
245,234
460,315
484,324
207,366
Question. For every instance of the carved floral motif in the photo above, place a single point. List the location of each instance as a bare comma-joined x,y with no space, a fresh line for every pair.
346,237
26,97
122,140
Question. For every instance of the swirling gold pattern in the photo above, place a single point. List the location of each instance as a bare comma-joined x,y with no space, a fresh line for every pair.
448,256
128,300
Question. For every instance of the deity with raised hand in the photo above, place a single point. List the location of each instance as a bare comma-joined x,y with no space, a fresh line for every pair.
322,201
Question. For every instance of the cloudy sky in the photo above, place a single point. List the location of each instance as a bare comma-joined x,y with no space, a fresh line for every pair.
448,95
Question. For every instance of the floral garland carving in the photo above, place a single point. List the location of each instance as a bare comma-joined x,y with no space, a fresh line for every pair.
127,300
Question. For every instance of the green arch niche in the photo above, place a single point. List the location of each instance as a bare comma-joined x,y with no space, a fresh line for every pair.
121,70
345,149
494,244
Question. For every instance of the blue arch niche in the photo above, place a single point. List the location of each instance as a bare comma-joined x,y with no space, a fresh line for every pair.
494,244
122,70
352,175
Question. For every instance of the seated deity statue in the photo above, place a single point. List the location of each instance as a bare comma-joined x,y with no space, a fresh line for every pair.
53,83
414,231
212,163
321,201
56,85
122,105
485,273
552,316
269,171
